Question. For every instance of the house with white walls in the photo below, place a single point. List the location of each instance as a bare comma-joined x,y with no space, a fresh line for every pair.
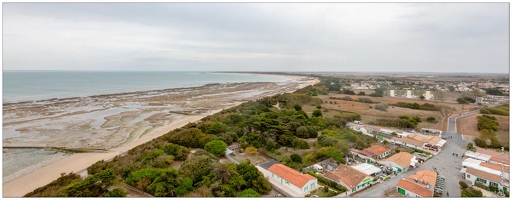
300,183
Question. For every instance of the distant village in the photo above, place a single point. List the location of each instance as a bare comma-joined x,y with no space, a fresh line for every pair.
486,93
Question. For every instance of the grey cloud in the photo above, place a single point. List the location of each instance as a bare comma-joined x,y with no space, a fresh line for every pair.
440,37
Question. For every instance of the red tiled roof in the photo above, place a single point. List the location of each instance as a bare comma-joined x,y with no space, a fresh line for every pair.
428,176
497,159
346,174
403,159
494,166
290,175
418,189
376,149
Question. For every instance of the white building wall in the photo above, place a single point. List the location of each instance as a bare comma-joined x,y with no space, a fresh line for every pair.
283,182
308,185
409,95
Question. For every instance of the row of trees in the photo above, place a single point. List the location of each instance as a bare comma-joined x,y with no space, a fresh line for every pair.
425,106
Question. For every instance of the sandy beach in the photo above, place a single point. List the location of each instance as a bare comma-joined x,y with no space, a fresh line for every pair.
117,122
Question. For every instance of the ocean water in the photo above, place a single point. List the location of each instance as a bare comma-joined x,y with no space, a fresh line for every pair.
39,85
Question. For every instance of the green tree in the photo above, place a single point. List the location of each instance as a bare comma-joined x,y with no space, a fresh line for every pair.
431,119
117,192
296,158
422,97
185,187
317,113
318,106
253,177
461,101
92,186
216,147
302,132
297,107
249,193
451,88
470,146
199,165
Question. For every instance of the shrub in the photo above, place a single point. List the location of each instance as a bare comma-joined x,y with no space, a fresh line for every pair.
463,184
319,107
470,192
381,107
249,193
296,158
364,100
431,119
347,98
297,107
317,113
302,132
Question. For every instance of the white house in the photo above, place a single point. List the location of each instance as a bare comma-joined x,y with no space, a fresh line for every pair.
476,175
299,183
486,173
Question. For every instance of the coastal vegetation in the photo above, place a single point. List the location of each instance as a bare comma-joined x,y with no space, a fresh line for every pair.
267,125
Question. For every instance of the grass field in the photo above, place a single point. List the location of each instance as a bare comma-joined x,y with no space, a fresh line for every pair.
369,114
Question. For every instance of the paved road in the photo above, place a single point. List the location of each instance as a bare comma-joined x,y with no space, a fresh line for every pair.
446,163
451,120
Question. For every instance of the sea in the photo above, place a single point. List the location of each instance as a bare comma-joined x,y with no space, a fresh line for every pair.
38,85
21,86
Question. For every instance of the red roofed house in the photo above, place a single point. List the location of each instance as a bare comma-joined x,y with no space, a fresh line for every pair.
420,184
373,153
349,177
378,152
294,180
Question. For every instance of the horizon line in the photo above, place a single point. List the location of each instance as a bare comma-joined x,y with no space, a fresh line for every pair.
51,70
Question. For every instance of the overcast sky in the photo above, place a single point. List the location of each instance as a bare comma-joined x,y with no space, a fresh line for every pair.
424,37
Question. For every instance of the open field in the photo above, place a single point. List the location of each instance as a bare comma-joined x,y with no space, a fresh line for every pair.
468,126
369,114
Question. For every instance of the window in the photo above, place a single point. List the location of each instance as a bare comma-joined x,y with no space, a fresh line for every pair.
306,188
272,175
467,175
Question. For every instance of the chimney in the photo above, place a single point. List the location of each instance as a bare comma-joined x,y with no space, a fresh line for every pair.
415,179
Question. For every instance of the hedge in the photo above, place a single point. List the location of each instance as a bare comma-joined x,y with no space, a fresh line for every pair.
328,182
